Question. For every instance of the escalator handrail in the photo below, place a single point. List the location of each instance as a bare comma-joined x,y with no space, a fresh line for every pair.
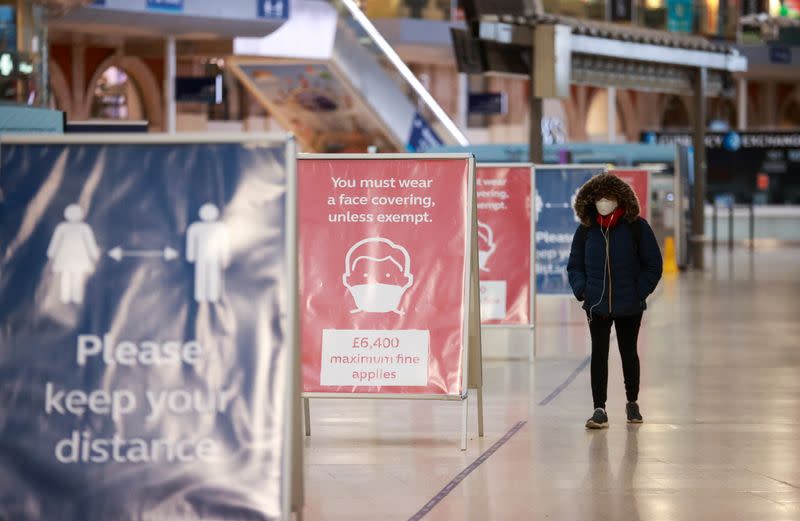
403,69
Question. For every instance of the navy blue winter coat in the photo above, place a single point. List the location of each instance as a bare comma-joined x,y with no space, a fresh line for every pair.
633,275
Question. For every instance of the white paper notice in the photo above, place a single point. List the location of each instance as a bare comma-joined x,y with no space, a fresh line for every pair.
493,299
370,357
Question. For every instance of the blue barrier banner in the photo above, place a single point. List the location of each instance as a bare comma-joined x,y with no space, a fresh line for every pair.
556,189
143,357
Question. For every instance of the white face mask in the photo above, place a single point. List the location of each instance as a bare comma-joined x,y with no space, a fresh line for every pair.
377,298
605,206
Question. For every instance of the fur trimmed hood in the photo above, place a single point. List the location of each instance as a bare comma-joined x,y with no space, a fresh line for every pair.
605,185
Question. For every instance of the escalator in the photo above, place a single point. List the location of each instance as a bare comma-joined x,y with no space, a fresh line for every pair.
329,77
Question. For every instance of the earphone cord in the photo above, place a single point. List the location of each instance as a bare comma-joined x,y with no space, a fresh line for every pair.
605,268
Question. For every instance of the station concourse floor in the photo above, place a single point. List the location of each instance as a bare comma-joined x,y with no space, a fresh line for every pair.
720,358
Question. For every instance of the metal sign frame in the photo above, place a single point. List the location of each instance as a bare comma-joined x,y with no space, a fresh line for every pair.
531,326
471,349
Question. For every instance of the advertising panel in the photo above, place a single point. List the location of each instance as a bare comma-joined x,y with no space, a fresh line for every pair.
556,222
680,16
504,243
384,294
735,161
322,110
144,353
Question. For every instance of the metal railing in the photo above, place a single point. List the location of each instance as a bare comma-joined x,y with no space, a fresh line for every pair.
730,214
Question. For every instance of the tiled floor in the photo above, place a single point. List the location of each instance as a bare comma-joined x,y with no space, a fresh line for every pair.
720,355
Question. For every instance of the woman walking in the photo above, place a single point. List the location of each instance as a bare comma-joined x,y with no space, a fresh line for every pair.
614,265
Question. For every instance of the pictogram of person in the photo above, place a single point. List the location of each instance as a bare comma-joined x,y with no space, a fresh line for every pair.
74,252
207,246
377,274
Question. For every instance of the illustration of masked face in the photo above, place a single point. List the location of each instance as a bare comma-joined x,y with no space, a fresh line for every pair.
486,246
377,275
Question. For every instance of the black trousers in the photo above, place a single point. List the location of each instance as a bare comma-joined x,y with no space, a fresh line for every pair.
627,337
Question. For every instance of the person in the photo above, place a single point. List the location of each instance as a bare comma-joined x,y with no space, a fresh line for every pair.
614,265
74,252
207,245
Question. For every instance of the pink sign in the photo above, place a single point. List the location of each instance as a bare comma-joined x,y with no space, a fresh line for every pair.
504,243
640,182
383,258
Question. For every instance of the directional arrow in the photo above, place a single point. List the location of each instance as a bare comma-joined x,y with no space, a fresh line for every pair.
167,253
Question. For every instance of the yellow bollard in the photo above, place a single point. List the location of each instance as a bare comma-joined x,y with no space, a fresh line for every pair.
670,264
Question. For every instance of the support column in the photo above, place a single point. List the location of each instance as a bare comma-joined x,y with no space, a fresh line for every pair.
770,105
699,142
612,114
169,85
742,105
535,137
78,60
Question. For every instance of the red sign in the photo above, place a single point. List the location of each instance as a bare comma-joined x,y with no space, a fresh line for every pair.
504,243
762,181
640,182
383,269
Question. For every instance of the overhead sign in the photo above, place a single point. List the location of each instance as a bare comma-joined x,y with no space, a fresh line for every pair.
730,141
488,103
504,243
780,54
734,159
556,190
273,9
174,6
384,273
145,341
202,89
680,16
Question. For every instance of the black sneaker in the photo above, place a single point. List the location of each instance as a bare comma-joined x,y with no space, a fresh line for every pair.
599,420
634,416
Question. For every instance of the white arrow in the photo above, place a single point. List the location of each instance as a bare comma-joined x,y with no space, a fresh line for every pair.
167,253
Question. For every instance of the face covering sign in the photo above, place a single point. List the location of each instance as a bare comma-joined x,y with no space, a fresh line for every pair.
383,249
640,182
504,243
556,190
145,366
